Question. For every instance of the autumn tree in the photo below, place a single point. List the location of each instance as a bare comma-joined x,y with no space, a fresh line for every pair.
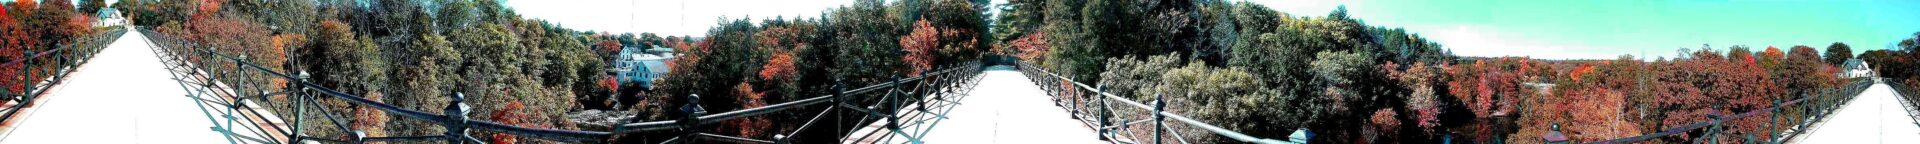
1030,47
920,46
1838,53
1424,100
91,7
1772,57
14,42
48,23
1800,74
750,126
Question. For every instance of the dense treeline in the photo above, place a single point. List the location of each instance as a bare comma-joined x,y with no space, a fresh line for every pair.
1239,65
742,64
529,73
1260,71
1899,63
1266,73
37,27
409,53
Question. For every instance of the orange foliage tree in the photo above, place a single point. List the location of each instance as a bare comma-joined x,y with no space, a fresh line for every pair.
369,119
1423,99
1490,89
750,126
1032,46
509,115
13,41
1771,57
920,46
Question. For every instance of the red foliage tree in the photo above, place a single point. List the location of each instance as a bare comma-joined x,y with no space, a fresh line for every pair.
750,126
1423,102
369,119
608,46
1772,57
1383,125
509,115
13,41
1691,90
920,46
1578,73
779,67
207,9
1490,90
1032,46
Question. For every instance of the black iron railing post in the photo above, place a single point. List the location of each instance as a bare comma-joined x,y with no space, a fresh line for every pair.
893,119
1073,99
456,124
26,81
1159,104
919,92
1104,112
300,109
689,124
59,62
240,91
839,95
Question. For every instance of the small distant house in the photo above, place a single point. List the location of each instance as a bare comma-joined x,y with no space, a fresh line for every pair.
109,17
1855,68
642,65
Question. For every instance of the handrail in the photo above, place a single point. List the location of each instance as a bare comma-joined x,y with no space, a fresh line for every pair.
1852,88
65,59
1176,117
458,122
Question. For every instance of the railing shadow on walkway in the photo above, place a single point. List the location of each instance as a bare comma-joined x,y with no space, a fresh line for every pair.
233,83
1910,97
35,72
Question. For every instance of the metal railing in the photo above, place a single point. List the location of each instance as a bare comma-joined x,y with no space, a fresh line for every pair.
35,72
1909,97
211,77
1810,109
1094,107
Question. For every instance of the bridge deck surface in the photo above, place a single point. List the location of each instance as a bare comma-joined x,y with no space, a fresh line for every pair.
1005,108
123,95
1875,116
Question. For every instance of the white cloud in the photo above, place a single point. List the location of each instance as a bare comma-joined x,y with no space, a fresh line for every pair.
1468,40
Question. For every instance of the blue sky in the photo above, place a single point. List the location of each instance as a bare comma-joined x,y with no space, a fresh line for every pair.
1553,29
1607,29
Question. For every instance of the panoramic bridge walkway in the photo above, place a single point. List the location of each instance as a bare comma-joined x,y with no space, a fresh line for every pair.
1006,107
123,95
133,92
1878,115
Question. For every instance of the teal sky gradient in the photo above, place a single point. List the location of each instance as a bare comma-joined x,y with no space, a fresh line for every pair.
1605,29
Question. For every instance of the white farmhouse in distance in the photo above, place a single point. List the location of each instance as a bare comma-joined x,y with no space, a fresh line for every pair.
108,17
1855,68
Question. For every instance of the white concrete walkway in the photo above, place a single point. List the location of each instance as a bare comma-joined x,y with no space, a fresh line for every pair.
1874,117
123,96
1005,108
